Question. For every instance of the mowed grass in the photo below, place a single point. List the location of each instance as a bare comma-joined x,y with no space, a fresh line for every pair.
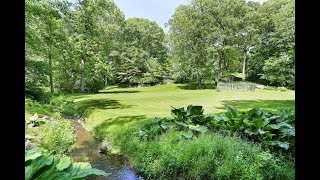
117,108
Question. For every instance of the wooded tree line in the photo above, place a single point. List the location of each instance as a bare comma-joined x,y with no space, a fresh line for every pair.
89,44
216,39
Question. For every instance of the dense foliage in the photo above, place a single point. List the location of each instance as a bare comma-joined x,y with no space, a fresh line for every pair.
206,156
42,164
57,106
194,145
57,135
143,56
84,46
272,130
52,136
88,45
213,39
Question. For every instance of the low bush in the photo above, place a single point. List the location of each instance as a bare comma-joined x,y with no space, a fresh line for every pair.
57,105
282,89
271,88
64,106
273,130
37,94
193,145
207,156
57,135
33,107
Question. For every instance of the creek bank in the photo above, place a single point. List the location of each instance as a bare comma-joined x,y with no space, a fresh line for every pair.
87,148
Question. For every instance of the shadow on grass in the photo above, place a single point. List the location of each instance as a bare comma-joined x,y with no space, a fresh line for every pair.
117,92
193,86
86,106
120,121
267,105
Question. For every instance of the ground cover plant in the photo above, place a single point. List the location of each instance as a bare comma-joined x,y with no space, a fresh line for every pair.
255,124
42,164
206,156
57,106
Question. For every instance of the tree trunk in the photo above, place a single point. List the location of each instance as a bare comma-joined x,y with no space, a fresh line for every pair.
244,66
50,66
105,81
49,43
82,88
199,82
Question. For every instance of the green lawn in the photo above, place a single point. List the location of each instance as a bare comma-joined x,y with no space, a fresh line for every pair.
117,108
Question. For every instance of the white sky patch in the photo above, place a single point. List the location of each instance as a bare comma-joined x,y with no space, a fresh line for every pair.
159,11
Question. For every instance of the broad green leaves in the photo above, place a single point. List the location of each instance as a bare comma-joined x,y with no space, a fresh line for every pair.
277,130
194,110
179,113
198,128
64,162
32,154
43,166
259,125
35,120
37,164
189,121
187,134
284,145
83,169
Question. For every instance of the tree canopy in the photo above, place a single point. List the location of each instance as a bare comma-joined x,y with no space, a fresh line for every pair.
87,45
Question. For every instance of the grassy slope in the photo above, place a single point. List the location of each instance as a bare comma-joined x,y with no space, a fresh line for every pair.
115,112
115,108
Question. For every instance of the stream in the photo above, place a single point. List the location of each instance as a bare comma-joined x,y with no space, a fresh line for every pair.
86,149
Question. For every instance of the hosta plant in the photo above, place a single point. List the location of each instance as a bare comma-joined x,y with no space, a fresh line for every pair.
42,165
272,130
190,121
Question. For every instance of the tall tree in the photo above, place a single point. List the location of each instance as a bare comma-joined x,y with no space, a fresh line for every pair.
94,24
275,48
247,35
282,38
44,22
144,52
204,34
187,36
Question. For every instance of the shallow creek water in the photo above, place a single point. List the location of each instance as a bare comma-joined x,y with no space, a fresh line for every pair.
86,149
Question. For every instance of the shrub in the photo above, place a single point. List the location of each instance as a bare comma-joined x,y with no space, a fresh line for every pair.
58,105
37,94
64,106
57,135
161,149
35,107
273,130
94,85
207,156
271,88
282,89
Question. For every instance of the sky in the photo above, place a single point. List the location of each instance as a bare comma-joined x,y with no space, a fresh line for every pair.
159,11
154,10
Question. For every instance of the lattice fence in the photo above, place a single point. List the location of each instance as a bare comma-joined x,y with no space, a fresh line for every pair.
235,86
